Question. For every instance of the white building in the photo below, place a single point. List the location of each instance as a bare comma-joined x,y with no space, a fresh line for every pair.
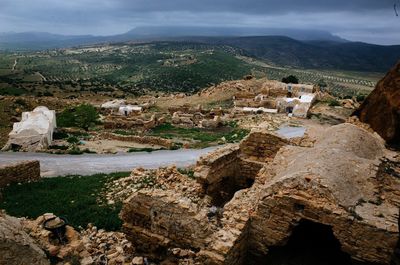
34,132
128,109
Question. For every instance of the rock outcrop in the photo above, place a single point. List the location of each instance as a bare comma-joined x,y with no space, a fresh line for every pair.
16,246
381,109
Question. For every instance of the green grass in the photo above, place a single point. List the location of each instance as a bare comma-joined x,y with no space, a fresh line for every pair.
204,137
74,197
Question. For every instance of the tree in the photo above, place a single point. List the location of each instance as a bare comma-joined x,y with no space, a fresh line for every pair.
82,116
86,116
291,79
322,83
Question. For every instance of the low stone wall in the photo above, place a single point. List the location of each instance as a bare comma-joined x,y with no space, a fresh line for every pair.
139,139
217,165
121,122
261,146
19,172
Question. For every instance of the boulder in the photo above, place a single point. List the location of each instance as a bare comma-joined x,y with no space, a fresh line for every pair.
16,246
381,109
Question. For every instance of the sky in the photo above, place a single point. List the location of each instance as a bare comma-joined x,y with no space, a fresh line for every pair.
372,21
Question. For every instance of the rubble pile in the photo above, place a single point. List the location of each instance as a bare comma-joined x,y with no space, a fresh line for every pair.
163,178
16,246
90,246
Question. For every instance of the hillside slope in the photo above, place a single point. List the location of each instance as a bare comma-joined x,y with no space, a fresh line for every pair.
284,51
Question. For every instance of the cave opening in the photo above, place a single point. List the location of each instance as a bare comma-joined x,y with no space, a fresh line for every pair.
310,244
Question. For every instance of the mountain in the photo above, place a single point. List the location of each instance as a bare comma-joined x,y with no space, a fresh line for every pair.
186,31
43,40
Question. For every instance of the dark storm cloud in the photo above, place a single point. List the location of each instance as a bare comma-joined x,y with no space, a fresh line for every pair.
354,19
257,6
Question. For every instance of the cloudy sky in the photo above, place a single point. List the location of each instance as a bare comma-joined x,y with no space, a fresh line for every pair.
371,21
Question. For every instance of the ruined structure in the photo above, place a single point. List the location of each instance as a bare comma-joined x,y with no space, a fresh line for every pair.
34,132
381,109
141,122
248,198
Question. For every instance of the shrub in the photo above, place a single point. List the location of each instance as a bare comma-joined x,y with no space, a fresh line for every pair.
291,79
360,98
82,116
48,94
333,103
73,140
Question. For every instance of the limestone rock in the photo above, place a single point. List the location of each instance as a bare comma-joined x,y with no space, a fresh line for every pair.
381,109
16,246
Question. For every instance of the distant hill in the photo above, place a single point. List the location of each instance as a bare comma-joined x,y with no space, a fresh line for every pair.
331,55
307,49
44,40
186,31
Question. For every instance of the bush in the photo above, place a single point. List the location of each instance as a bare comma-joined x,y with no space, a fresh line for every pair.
291,79
82,116
73,140
58,147
360,98
60,135
12,91
146,149
334,103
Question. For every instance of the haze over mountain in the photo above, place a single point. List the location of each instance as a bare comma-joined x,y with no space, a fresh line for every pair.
44,40
371,21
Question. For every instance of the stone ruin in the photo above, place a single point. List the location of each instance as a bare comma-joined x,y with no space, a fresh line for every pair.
34,132
141,122
247,199
277,97
189,117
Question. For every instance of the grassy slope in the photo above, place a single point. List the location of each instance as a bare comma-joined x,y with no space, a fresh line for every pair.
74,197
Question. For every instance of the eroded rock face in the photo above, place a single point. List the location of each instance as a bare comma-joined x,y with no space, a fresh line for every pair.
381,109
16,246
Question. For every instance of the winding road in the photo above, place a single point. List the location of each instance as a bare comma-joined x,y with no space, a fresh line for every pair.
88,164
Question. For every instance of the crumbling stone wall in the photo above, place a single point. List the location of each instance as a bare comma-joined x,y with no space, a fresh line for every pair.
138,139
19,172
118,122
261,146
16,246
165,219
